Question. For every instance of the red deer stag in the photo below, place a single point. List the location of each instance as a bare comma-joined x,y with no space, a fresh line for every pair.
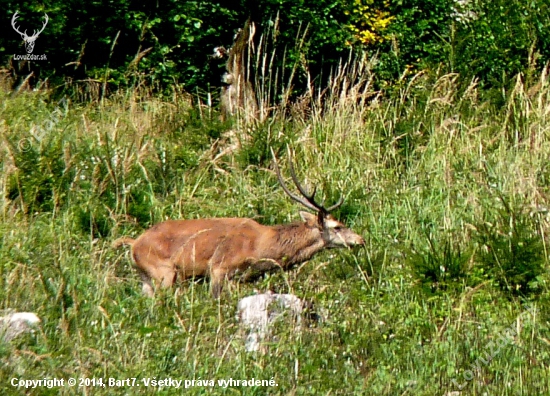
219,248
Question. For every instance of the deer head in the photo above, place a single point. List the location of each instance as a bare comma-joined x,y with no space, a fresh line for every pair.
335,234
29,40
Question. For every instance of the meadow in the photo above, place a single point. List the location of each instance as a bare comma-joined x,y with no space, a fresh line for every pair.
448,185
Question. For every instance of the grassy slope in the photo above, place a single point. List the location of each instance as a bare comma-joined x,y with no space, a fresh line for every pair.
450,194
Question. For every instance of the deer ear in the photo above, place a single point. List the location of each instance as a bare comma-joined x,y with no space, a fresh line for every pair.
308,217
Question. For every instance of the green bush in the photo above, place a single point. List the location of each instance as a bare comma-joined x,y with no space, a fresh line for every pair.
441,266
512,250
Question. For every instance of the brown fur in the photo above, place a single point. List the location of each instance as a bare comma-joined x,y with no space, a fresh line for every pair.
219,248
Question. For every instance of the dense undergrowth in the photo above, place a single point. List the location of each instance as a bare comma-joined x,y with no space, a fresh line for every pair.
449,190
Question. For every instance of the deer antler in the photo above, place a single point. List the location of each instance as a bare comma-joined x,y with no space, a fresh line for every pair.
24,35
46,19
15,16
308,200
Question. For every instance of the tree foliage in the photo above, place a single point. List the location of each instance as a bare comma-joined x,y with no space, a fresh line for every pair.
121,42
369,20
499,39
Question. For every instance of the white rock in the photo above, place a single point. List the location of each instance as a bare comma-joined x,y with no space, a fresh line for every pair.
257,313
17,323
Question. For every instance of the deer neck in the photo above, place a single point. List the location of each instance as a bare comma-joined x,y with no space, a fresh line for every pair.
296,242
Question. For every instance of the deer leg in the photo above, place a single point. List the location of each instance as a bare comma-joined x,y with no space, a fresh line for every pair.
217,277
164,274
147,287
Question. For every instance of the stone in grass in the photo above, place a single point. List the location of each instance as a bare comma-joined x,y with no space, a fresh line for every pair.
259,312
17,323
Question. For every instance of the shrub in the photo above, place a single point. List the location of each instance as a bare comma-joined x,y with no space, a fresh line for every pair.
512,249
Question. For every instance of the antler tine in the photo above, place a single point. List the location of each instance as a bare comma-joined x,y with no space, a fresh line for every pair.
293,196
309,197
295,179
336,205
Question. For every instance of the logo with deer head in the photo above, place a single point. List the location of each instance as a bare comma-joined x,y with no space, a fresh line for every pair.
29,40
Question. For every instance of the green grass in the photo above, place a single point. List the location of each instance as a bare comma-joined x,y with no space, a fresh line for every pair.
449,191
